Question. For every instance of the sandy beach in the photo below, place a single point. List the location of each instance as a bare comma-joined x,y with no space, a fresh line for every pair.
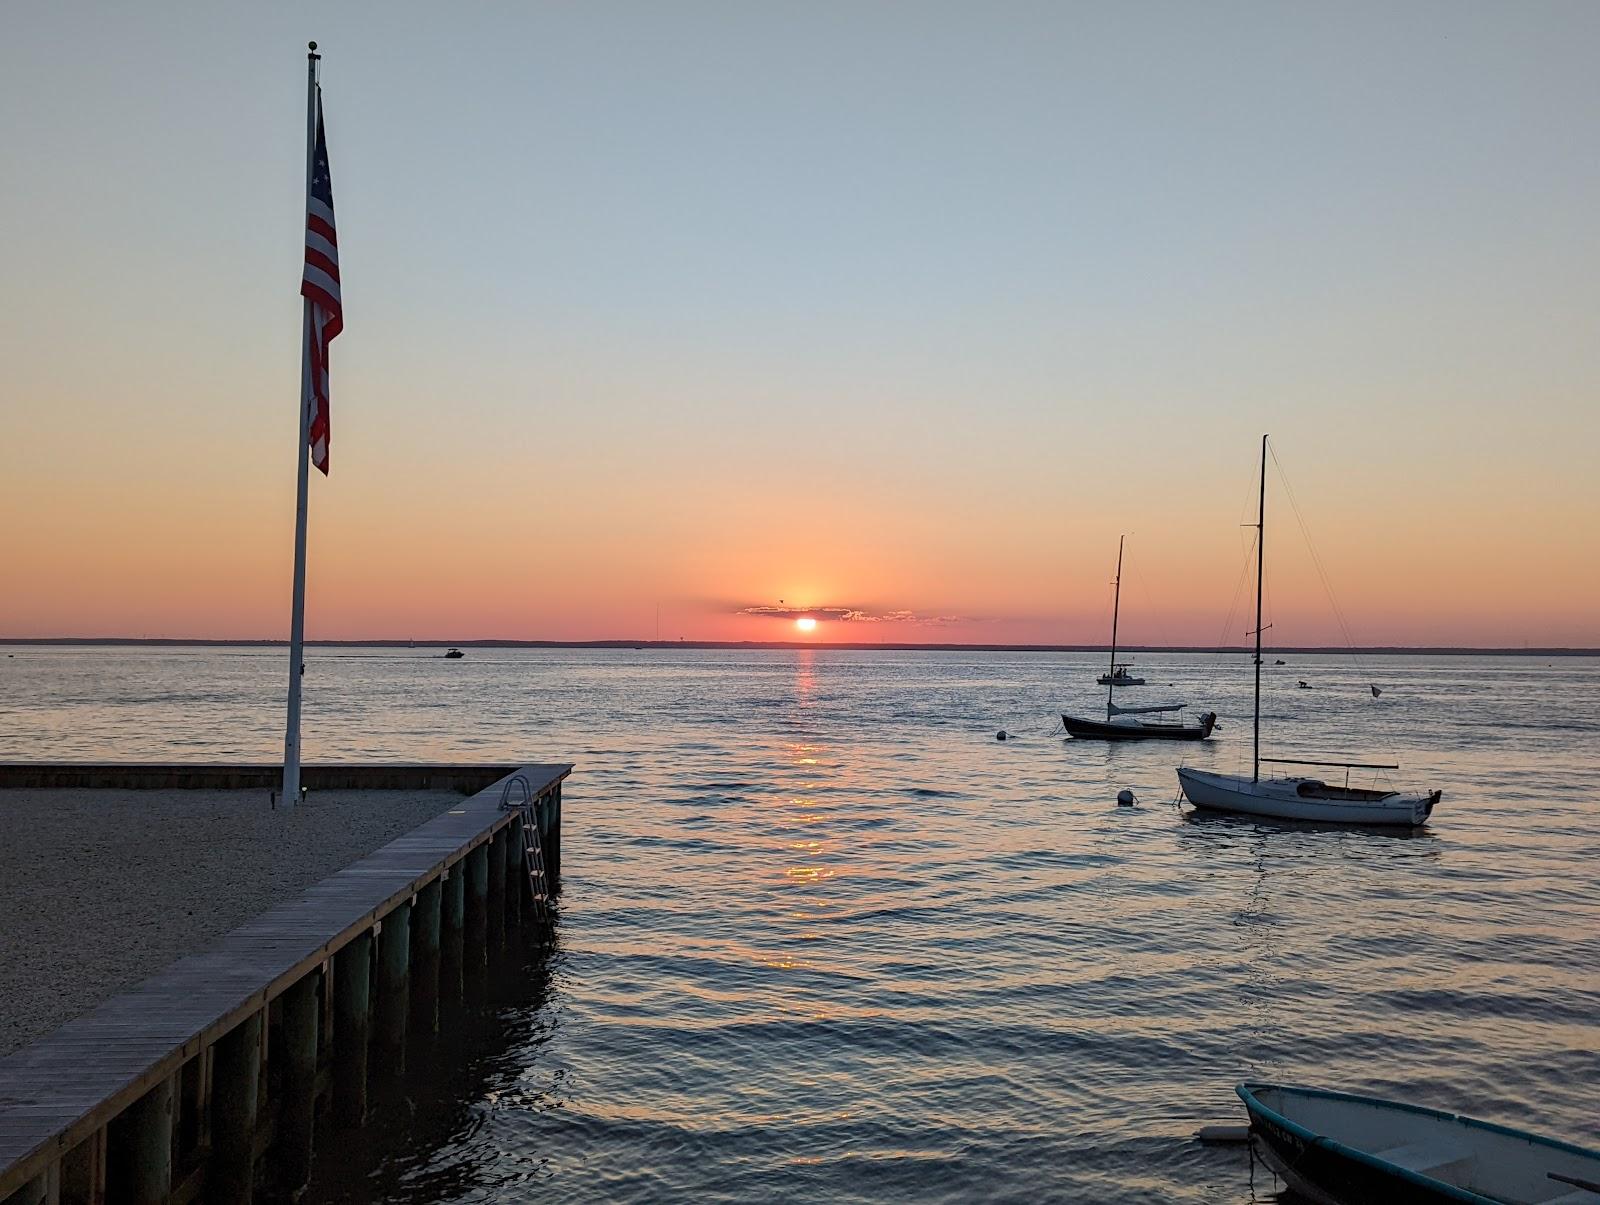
103,888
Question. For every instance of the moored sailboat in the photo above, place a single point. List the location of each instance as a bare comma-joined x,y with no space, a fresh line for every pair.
1296,797
1124,723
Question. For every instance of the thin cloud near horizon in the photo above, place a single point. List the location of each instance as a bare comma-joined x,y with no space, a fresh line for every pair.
853,615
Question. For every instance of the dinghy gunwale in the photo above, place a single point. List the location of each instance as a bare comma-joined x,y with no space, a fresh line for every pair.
1247,1092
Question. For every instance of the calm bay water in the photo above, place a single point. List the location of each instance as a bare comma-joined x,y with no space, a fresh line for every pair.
823,935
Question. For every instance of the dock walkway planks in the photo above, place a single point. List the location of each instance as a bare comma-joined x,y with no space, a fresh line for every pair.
59,1090
376,776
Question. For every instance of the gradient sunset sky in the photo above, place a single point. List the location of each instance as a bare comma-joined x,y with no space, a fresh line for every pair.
904,311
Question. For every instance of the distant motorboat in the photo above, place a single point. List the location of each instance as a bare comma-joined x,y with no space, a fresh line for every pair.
1337,1146
1125,723
1280,661
1298,797
455,655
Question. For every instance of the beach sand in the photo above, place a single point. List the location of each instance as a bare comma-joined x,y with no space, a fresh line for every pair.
100,889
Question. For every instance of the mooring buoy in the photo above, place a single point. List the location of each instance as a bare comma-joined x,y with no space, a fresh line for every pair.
1126,798
1002,735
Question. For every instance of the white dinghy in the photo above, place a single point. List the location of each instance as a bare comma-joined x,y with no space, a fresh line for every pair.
1339,1147
1295,797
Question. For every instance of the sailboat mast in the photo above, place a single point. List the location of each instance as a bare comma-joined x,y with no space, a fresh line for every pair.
1261,539
1116,609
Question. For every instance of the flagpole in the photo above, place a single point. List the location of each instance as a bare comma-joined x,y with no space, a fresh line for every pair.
297,614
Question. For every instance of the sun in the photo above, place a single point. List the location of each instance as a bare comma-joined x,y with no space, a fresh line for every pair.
806,623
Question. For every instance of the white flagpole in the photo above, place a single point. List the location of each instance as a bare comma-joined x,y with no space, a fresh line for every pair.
297,614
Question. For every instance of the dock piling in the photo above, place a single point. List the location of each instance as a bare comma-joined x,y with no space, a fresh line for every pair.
497,889
477,912
425,959
297,1117
352,1029
83,1171
550,835
235,1099
139,1148
452,929
516,871
394,985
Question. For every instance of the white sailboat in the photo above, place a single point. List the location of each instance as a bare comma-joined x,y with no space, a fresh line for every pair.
1298,797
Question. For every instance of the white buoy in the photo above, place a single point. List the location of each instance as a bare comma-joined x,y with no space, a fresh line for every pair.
1126,798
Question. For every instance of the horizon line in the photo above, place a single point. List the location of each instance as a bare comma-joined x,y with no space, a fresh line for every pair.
834,645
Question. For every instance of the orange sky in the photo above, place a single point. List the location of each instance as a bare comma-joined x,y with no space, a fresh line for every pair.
563,551
919,322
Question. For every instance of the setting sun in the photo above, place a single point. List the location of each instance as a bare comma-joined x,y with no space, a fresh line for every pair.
806,624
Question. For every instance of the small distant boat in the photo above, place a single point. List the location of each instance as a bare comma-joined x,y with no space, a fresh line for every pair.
1302,684
1339,1147
1124,723
1280,661
1295,797
455,654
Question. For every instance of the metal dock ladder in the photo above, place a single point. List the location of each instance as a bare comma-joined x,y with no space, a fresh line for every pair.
532,846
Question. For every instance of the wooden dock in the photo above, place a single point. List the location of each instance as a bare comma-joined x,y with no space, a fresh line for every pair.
162,1093
368,776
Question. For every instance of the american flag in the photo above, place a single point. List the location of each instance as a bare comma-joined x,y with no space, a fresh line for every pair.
320,286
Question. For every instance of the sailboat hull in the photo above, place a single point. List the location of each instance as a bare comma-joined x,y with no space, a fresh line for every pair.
1305,799
1128,729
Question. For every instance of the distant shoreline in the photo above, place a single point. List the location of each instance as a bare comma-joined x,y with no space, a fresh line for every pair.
1394,650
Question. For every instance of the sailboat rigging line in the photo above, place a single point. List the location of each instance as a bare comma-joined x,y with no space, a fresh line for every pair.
1160,634
1316,560
1222,645
1355,658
